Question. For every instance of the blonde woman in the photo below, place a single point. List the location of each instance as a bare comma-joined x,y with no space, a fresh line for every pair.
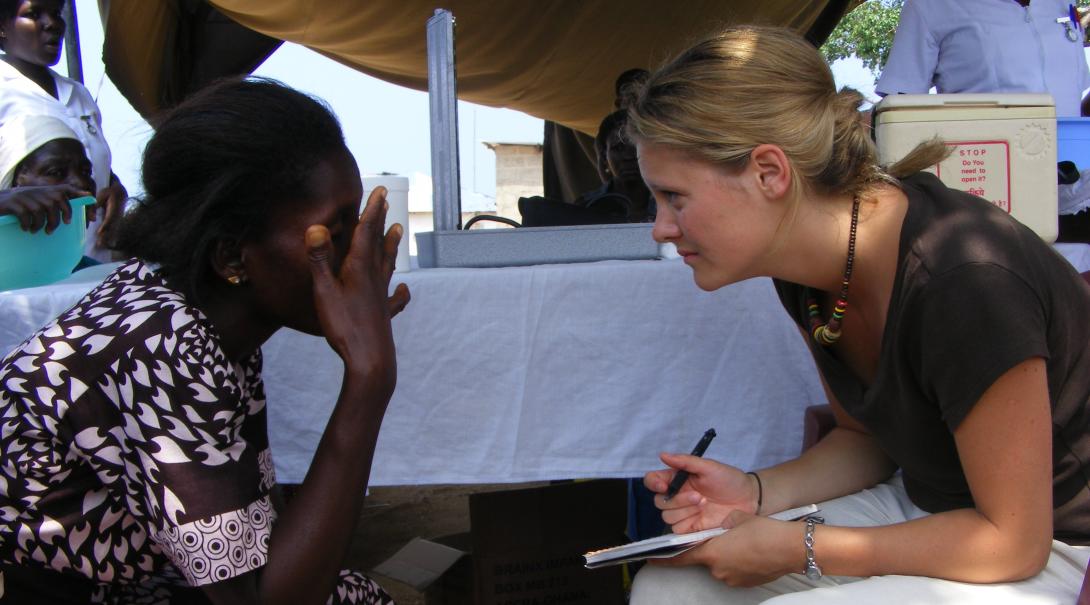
952,341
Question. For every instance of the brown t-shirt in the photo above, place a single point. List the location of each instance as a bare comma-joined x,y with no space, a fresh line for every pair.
975,294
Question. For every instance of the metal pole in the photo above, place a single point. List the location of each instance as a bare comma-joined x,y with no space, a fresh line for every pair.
443,101
71,42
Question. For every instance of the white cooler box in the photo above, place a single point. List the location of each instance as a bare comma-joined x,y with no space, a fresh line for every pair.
1004,147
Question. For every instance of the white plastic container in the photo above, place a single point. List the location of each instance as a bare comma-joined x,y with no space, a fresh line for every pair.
397,194
1004,147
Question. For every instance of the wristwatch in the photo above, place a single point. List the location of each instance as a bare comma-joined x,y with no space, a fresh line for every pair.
812,571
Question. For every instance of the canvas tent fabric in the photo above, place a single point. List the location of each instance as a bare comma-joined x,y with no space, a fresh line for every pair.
553,59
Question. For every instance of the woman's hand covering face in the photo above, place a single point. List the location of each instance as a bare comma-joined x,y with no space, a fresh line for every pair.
353,308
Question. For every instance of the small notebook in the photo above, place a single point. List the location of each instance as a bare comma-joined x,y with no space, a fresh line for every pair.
671,545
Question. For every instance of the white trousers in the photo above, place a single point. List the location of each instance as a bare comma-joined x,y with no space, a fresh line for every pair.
884,504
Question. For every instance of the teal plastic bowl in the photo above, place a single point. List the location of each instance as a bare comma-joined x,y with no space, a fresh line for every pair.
37,259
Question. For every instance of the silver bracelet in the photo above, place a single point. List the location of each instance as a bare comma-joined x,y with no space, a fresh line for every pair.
812,570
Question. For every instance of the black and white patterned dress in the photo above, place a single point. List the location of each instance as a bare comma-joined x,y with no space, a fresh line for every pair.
133,453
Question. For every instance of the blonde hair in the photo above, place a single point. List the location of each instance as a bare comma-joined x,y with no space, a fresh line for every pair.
751,85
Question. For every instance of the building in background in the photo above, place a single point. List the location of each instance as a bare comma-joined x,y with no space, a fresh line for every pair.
518,174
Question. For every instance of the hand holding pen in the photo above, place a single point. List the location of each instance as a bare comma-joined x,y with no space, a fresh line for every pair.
707,493
682,476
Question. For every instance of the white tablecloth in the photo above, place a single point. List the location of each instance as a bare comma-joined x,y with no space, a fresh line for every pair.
557,371
545,372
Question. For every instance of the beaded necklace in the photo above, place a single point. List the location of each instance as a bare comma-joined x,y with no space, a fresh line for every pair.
827,333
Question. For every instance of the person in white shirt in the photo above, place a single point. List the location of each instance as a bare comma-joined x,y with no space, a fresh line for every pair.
43,165
31,36
1004,46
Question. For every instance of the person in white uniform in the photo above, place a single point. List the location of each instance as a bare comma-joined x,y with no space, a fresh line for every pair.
42,166
1008,46
31,36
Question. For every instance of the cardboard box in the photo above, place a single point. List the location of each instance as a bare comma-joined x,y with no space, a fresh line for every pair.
525,547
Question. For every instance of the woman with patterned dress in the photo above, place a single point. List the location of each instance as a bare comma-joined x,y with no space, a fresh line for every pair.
134,461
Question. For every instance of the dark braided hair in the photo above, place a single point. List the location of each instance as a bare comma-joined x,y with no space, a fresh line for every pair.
217,166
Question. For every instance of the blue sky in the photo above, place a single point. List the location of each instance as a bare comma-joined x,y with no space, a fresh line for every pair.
386,125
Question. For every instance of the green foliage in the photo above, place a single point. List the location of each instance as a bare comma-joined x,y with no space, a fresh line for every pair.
867,33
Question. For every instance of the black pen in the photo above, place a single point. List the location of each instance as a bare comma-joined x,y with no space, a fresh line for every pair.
682,476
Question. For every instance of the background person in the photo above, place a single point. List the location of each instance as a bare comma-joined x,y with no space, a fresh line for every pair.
134,455
988,46
623,193
960,355
623,92
42,166
994,46
31,36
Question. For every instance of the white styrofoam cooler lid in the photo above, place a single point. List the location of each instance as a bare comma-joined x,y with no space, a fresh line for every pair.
966,100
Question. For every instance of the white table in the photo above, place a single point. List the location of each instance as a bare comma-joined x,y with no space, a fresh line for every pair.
545,372
561,371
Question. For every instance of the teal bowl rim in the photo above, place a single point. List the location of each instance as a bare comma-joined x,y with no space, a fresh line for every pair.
78,202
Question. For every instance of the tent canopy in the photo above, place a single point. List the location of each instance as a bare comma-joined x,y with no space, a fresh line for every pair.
556,60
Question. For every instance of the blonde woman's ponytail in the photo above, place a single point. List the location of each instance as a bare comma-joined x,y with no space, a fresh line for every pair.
853,161
923,156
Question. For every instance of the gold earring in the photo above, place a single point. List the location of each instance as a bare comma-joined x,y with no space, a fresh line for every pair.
234,280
